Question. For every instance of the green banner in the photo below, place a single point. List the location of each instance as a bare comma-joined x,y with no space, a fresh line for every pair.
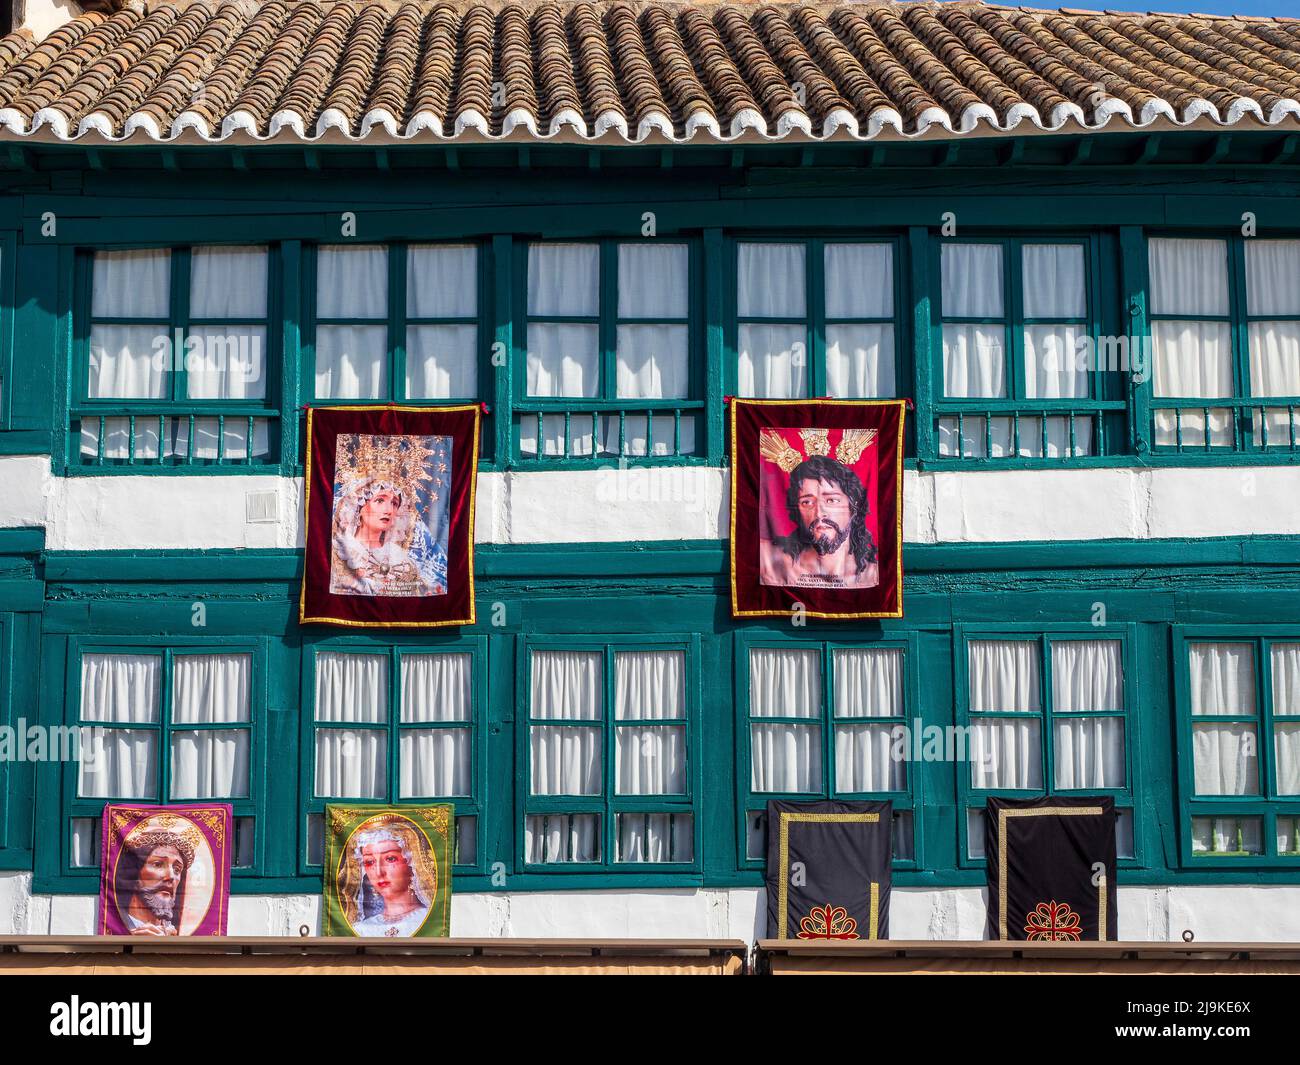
387,870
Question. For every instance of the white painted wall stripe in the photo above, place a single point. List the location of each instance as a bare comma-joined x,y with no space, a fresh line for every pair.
155,512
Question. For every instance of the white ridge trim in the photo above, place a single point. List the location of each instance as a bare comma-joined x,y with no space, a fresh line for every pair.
12,119
424,120
55,119
1062,113
1021,112
881,117
191,120
607,120
520,116
146,122
331,118
793,120
471,119
1242,107
567,117
748,118
288,120
977,113
701,119
239,121
933,116
382,117
652,121
840,118
1110,107
1153,109
1280,110
97,121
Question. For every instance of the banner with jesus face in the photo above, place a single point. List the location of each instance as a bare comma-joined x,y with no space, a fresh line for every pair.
816,508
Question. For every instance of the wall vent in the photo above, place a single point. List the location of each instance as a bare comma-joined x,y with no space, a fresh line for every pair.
261,507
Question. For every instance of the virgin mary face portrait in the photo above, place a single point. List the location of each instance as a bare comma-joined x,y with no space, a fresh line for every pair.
386,868
377,517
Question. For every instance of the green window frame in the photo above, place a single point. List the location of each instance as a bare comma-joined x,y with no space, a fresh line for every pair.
605,416
1242,405
609,805
1274,811
396,321
194,415
470,807
971,799
1058,424
751,804
815,319
249,811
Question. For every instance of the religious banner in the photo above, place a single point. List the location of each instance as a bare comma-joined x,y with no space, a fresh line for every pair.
387,870
165,870
390,516
1051,869
817,508
828,869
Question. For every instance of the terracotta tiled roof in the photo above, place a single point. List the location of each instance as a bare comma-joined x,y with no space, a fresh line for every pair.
656,72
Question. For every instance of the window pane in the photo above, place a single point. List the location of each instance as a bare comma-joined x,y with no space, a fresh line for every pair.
974,361
772,361
1225,759
1188,276
1275,366
785,757
118,764
1273,277
653,362
1222,678
562,838
659,837
210,764
129,362
864,759
1006,753
1192,359
785,683
564,280
226,362
123,689
653,280
233,433
1288,836
649,685
904,845
351,763
565,760
566,685
1124,847
1004,675
1053,368
211,689
868,682
1227,835
441,361
434,762
245,846
972,281
1190,426
859,280
228,282
1286,755
756,834
1089,752
442,281
650,760
436,687
860,361
1285,659
466,841
351,687
85,843
563,360
553,442
975,830
1053,279
633,429
352,282
770,281
1087,675
131,284
351,361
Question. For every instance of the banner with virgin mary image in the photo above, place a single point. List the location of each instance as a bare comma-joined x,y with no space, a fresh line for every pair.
387,870
817,508
165,870
390,516
1051,869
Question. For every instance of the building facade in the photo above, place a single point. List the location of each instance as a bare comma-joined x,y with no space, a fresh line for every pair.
1072,240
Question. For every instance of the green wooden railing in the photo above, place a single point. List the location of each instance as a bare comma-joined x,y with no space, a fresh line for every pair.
159,436
587,432
1247,429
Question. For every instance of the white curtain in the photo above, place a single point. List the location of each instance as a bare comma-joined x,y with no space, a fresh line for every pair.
868,683
1192,359
785,683
860,361
435,761
974,356
1054,285
771,283
859,280
1286,755
563,358
1224,754
560,837
352,688
210,690
228,282
129,361
566,759
352,360
1273,288
652,362
1004,675
653,281
119,690
442,359
1088,676
227,362
1053,369
657,837
1285,659
650,686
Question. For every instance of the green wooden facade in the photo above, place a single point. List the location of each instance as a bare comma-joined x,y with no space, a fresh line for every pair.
58,204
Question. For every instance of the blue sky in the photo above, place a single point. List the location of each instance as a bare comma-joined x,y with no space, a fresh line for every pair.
1206,7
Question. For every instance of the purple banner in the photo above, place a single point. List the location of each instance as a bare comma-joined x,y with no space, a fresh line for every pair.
165,870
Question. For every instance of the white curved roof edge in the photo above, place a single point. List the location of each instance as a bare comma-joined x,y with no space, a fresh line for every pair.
521,125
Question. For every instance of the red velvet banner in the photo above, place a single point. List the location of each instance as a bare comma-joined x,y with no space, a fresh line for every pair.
390,516
817,508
